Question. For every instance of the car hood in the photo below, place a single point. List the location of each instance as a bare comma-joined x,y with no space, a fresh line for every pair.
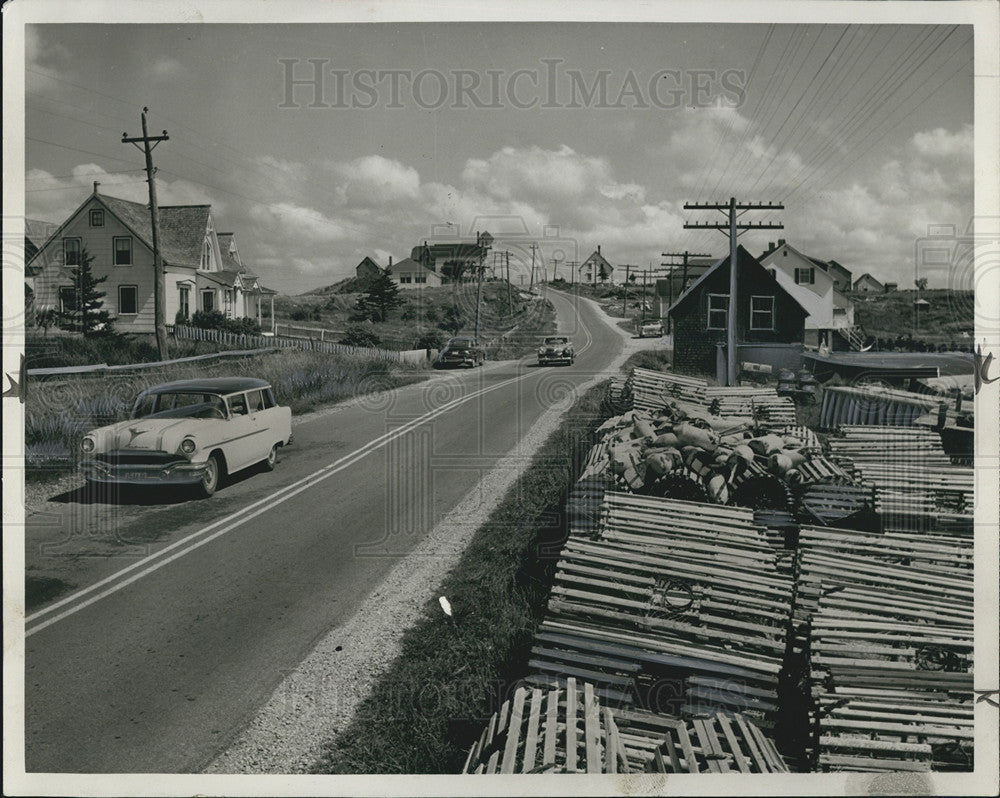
148,434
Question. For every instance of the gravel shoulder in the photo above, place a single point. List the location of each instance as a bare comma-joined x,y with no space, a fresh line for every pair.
321,695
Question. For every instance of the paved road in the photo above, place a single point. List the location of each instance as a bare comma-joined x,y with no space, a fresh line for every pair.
155,668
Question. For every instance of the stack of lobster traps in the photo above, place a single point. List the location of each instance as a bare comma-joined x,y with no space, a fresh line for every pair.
888,622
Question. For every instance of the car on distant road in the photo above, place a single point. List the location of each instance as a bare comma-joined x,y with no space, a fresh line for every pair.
652,328
556,349
461,352
190,432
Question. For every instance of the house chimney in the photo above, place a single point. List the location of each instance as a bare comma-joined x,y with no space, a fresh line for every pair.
598,249
390,261
781,242
96,184
770,246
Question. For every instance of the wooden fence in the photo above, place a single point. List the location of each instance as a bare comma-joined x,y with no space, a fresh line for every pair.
281,342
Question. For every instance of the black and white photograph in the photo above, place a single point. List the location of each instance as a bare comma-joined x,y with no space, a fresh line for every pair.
412,398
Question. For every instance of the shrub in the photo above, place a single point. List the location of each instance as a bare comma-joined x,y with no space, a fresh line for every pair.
360,335
432,339
216,320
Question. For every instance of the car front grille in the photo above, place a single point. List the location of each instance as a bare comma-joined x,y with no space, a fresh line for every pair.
127,457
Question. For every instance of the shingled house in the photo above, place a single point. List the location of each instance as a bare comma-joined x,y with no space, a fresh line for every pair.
453,259
765,314
204,270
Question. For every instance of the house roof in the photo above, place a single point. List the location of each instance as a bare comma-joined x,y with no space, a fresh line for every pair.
743,260
182,227
410,265
368,259
459,250
596,257
867,276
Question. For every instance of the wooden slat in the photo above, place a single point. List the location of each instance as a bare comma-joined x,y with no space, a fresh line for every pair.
571,730
531,739
513,732
591,729
551,728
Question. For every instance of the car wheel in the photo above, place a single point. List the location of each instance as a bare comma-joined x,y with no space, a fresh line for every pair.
272,458
210,481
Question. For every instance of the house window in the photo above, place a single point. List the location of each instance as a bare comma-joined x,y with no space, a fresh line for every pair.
128,300
420,278
762,313
206,256
405,278
208,301
97,217
805,276
718,311
185,301
67,299
123,250
71,251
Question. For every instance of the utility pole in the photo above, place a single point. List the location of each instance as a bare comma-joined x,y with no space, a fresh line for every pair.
733,230
555,262
531,280
479,287
510,302
625,292
159,279
684,275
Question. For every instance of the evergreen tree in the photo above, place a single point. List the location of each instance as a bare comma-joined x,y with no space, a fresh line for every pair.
84,313
382,298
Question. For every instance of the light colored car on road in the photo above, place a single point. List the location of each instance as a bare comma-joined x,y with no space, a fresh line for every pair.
651,328
190,432
556,349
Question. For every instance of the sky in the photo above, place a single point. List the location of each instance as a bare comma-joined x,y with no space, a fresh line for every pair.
563,135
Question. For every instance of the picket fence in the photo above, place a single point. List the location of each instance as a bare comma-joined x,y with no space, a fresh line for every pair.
282,342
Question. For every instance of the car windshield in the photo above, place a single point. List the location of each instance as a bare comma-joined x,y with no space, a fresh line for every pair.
180,404
460,343
556,341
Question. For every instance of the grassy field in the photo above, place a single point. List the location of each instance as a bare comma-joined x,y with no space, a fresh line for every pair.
427,314
56,350
452,674
891,316
58,412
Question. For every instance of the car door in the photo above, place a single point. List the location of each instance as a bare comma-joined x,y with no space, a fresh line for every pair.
240,444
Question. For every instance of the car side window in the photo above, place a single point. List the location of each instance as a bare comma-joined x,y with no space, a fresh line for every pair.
238,404
145,406
268,399
255,401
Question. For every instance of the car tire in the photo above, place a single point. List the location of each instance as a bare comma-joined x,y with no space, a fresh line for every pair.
269,462
213,476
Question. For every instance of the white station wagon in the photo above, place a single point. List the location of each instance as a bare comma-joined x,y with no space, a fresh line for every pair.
190,432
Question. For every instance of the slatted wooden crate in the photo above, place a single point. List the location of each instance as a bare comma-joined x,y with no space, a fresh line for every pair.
903,446
890,619
563,730
754,402
685,588
716,742
835,504
651,390
873,406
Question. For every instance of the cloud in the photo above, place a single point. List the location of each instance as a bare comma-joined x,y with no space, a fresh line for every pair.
304,225
165,66
374,180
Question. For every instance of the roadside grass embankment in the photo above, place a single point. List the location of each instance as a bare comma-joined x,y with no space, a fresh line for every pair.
453,672
58,412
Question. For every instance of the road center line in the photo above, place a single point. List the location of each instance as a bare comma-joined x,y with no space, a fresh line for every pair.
252,511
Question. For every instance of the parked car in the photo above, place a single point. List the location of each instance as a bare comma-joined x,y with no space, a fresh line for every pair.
461,352
651,329
190,432
556,349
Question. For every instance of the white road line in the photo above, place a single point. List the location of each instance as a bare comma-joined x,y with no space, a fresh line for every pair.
247,513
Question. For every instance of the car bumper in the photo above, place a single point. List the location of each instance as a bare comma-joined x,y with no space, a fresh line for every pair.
458,361
177,473
548,360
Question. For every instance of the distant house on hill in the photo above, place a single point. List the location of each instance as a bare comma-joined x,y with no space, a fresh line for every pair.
890,287
866,284
204,269
596,269
841,276
814,288
409,273
367,270
453,259
766,314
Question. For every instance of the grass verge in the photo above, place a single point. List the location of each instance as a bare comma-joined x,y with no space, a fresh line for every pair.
58,412
451,674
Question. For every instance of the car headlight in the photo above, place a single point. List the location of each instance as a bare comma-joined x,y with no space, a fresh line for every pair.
541,350
565,352
188,446
88,444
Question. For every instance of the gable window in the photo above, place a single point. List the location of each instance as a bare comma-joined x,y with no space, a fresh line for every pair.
128,300
405,278
208,301
718,311
206,256
420,278
185,301
805,276
97,217
123,250
71,251
67,299
762,313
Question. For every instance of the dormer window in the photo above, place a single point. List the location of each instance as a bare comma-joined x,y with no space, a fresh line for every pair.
206,256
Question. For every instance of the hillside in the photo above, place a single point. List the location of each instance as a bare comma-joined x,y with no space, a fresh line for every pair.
890,316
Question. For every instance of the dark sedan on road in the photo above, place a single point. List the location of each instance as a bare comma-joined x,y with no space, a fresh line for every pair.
556,349
461,352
